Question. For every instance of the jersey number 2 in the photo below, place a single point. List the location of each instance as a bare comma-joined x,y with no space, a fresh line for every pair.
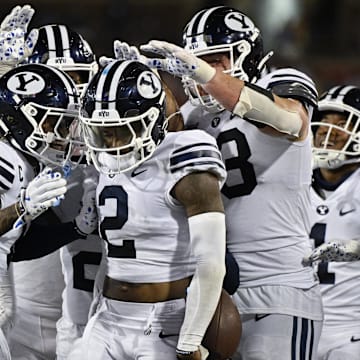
127,250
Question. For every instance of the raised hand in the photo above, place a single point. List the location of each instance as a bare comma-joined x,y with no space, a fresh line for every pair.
123,51
14,47
178,61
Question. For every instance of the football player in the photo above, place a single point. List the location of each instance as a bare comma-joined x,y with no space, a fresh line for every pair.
37,107
260,121
28,134
161,217
335,229
61,47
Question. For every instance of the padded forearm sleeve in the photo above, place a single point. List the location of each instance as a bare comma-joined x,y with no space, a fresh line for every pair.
258,104
207,232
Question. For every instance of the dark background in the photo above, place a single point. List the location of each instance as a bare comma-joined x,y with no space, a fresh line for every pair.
320,37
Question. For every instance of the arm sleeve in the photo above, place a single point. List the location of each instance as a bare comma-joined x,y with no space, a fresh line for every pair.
42,240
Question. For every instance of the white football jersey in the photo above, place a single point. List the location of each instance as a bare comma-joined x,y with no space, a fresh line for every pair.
267,203
259,166
146,230
337,218
15,173
81,258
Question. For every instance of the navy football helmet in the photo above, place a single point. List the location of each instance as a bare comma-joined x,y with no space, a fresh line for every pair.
344,100
125,101
223,29
38,106
65,49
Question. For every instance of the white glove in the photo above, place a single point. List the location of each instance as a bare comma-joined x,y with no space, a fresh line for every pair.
178,61
87,219
14,48
123,51
46,190
334,251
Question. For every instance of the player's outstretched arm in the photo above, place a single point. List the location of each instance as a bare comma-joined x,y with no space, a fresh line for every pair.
286,116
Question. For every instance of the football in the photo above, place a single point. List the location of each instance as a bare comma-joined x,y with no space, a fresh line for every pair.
222,337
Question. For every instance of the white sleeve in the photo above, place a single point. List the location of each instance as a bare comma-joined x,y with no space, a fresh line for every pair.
207,233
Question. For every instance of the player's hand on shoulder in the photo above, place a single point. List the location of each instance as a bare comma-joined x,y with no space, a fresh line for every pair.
46,190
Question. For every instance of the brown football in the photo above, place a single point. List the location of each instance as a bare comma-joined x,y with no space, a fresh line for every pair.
222,337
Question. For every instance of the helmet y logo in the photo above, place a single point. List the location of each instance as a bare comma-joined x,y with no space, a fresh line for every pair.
26,83
238,22
148,85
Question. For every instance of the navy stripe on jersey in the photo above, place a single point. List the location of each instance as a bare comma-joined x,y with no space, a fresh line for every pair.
7,174
192,146
287,79
194,155
197,163
3,186
4,173
9,164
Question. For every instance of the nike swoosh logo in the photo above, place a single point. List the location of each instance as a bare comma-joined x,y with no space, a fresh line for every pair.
342,213
163,336
260,316
134,173
354,339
